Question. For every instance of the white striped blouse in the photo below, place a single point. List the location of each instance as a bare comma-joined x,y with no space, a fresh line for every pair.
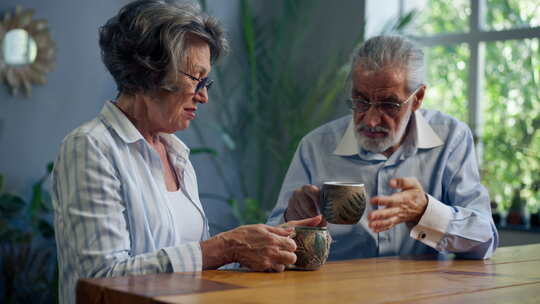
112,214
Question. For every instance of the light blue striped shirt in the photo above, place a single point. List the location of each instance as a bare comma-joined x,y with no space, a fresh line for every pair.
112,215
438,150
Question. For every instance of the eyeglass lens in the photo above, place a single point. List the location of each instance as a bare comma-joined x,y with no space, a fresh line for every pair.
363,106
205,82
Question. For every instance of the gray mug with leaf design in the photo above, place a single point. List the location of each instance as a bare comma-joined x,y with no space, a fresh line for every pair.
342,203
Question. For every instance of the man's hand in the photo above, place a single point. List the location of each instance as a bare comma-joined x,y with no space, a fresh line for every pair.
405,206
303,203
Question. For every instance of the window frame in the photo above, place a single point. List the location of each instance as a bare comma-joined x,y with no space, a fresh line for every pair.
476,38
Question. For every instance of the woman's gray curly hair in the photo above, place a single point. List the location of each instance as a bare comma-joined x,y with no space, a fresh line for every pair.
147,41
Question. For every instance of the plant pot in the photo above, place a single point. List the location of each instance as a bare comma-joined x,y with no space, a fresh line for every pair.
518,218
535,220
496,218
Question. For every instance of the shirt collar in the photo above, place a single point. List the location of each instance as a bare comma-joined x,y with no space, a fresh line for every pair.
426,137
118,121
178,147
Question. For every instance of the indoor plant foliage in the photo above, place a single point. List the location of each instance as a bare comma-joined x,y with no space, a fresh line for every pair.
266,102
511,111
27,247
272,92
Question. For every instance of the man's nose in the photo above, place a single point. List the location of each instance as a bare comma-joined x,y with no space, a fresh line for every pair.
372,117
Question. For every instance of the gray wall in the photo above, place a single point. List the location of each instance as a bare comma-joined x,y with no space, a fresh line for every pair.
32,129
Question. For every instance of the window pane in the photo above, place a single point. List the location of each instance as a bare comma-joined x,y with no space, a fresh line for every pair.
508,14
447,70
441,16
511,167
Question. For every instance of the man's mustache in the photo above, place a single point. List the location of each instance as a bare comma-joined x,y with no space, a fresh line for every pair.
363,127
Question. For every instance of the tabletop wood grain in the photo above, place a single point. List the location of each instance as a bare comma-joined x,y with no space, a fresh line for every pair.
512,275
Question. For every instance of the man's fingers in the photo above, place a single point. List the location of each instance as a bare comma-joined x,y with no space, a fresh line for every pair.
307,209
301,206
296,208
310,200
303,202
405,183
313,192
388,201
382,225
383,214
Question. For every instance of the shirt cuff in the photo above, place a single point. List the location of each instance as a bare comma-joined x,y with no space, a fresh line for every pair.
186,257
433,224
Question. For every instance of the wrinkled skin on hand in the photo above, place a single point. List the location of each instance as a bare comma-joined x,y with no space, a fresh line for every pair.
259,247
408,205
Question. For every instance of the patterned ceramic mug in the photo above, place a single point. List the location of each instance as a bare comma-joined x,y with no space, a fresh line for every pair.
313,246
342,202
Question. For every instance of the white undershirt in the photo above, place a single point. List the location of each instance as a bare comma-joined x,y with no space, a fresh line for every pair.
187,219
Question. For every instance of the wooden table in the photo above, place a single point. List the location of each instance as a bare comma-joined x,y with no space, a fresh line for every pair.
511,276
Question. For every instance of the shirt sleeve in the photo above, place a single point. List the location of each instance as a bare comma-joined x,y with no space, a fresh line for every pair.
91,227
462,222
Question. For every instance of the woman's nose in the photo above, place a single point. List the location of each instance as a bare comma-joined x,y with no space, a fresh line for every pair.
202,95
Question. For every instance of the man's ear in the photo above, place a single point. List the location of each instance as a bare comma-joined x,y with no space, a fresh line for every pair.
419,98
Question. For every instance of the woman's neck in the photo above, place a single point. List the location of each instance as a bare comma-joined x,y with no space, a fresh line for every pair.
135,107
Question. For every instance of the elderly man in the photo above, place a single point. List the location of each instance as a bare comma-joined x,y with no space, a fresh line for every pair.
418,165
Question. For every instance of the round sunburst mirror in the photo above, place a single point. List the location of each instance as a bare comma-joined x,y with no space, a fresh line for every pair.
27,51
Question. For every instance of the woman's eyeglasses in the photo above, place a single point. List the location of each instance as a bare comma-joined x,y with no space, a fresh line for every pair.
201,82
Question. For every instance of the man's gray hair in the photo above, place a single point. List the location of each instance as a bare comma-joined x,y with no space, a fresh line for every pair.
146,43
392,51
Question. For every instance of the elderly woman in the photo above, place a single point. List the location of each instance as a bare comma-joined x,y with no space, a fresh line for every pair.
125,193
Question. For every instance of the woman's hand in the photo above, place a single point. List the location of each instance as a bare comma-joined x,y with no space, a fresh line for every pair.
258,247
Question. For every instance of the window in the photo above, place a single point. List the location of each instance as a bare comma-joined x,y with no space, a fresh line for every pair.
483,67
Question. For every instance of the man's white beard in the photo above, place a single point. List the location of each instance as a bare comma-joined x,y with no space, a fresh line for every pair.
379,145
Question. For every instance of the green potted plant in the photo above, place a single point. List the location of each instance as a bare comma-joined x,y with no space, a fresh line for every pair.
518,213
27,247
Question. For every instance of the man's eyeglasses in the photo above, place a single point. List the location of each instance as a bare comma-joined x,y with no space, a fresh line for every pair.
201,82
387,107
